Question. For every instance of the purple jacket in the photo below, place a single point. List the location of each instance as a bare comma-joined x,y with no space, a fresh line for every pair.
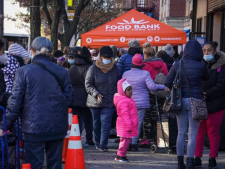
141,82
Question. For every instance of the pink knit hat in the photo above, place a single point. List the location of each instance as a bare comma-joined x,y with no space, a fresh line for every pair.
137,60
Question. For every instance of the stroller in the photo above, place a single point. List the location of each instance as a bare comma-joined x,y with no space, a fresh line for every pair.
160,118
7,141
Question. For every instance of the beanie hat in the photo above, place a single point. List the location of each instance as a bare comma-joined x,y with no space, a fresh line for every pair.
61,59
125,85
168,49
58,53
137,60
106,51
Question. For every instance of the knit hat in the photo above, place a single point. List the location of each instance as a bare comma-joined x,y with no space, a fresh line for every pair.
17,50
134,43
61,59
125,85
106,51
58,53
40,42
85,52
137,60
169,50
72,52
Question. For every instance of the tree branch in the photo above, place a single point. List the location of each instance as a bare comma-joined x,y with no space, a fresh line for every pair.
45,9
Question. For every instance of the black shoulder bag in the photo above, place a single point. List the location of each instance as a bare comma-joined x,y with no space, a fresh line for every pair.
52,73
198,106
173,99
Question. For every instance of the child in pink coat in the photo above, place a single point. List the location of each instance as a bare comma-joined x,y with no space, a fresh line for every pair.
127,120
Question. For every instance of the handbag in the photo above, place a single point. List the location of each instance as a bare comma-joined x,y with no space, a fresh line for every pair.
198,106
173,98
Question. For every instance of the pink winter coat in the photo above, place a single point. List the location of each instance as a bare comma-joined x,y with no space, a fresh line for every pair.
127,119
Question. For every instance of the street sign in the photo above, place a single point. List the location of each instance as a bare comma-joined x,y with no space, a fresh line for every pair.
70,14
70,3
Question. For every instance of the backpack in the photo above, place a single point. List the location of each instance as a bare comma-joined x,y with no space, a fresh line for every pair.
160,79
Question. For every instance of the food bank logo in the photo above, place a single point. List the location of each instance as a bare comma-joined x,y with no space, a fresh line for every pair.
133,25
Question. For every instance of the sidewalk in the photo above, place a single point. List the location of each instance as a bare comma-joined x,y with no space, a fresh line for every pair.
138,160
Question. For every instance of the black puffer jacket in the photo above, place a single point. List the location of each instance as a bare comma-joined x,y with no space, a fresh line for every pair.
97,82
215,86
39,98
196,71
77,75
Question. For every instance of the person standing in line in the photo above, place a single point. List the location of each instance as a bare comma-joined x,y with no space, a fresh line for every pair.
41,98
166,58
57,54
141,82
101,85
196,72
127,121
125,61
70,58
77,75
214,93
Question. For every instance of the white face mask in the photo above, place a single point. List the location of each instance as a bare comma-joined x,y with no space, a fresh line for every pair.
4,58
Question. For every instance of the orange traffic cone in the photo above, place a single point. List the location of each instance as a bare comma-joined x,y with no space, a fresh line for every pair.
75,155
26,166
66,139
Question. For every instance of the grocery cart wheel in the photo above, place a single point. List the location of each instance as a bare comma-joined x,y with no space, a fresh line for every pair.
153,148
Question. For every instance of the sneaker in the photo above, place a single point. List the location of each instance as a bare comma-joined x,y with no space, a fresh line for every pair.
97,146
104,149
89,143
198,162
117,158
123,159
212,163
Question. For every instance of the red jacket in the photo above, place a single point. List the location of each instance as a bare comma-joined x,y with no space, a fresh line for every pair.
154,65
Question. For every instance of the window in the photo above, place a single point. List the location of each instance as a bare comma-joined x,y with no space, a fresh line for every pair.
199,26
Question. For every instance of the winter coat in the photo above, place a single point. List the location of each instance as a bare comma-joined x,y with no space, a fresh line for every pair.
40,101
196,71
215,86
77,75
98,82
9,70
155,65
3,102
127,119
141,82
125,61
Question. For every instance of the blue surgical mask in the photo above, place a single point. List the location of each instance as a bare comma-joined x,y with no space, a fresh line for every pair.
71,61
208,58
106,61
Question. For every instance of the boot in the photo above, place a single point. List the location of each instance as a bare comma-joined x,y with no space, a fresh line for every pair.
212,163
181,164
134,147
190,163
198,162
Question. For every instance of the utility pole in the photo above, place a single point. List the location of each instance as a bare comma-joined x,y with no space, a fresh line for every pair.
1,18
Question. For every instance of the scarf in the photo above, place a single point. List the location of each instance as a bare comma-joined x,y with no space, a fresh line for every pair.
103,67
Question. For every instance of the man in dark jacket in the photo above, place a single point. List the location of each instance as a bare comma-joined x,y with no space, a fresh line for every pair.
77,75
41,100
70,58
125,61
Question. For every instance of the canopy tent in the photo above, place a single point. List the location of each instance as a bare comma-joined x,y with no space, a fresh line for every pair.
133,25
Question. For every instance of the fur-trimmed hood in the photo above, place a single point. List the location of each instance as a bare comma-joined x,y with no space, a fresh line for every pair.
220,62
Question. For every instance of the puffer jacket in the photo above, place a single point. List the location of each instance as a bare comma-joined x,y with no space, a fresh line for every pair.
127,120
215,86
125,61
77,75
155,65
98,82
40,101
141,82
196,71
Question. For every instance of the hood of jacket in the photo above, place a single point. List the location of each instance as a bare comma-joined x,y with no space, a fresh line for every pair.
121,94
220,61
154,62
193,50
133,51
82,61
17,50
167,59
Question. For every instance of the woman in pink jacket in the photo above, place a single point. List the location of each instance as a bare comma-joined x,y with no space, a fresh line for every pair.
127,120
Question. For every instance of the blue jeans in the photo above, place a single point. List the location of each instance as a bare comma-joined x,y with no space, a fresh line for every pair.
184,119
102,119
141,115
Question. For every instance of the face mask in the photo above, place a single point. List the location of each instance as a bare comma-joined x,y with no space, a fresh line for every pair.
95,58
106,61
71,61
4,58
208,58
